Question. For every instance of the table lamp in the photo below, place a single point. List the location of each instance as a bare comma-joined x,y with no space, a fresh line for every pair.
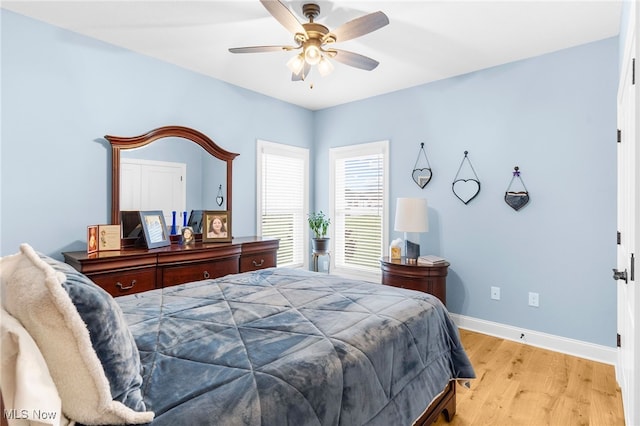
411,216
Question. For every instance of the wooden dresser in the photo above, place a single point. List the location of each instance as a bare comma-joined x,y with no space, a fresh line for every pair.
134,270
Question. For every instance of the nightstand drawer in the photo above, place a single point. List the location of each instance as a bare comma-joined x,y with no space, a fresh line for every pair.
120,283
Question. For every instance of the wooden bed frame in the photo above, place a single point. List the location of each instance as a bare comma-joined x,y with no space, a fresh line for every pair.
445,404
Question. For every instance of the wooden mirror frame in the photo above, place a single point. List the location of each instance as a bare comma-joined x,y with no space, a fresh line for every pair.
119,143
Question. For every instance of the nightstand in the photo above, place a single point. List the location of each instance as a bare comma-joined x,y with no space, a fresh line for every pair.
429,279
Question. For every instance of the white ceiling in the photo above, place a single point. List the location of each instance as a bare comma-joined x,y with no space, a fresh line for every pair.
424,41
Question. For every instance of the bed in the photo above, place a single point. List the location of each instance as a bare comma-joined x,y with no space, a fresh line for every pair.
271,347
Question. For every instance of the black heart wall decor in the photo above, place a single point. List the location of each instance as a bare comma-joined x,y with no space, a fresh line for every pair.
466,189
219,197
422,173
469,188
516,199
421,177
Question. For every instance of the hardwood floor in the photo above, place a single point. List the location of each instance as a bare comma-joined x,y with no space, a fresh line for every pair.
518,384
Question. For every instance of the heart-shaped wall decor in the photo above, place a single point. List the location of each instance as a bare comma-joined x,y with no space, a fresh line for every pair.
466,189
421,177
219,200
516,200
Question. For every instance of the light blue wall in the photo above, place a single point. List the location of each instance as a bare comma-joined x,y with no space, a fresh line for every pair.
61,92
554,116
625,16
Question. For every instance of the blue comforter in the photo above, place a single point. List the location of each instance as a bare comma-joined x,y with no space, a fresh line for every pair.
290,347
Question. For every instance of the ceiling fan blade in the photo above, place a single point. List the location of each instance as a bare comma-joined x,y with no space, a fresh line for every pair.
284,16
360,26
354,59
302,74
258,49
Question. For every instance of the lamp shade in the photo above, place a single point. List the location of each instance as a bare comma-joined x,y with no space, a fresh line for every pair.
411,215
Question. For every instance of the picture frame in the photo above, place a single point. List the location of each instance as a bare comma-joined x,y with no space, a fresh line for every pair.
187,236
216,226
131,225
195,221
155,229
92,239
109,237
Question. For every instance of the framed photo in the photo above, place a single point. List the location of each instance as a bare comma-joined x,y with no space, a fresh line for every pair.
155,229
216,226
109,237
188,237
195,221
92,239
131,226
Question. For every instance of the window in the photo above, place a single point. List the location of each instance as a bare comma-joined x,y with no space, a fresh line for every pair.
359,182
282,191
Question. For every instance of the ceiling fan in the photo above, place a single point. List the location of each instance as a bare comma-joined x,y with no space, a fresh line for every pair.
315,40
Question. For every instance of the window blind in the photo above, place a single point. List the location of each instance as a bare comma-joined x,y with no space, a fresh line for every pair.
282,201
359,207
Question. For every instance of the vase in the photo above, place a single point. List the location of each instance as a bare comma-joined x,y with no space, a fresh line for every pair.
174,230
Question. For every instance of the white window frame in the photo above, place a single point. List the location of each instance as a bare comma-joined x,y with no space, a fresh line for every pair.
273,148
357,150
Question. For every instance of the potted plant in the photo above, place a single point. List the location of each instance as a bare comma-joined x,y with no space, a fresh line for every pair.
319,223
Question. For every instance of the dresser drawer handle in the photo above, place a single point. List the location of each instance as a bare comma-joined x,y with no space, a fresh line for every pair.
206,275
258,264
128,287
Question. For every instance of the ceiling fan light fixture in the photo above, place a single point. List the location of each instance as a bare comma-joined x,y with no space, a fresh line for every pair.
314,39
312,54
296,63
325,67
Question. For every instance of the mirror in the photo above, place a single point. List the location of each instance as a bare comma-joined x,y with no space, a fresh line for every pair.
208,165
197,176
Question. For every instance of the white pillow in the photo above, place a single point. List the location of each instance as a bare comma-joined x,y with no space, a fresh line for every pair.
27,387
34,295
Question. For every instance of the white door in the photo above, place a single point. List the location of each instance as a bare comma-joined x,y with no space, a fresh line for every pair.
154,185
628,215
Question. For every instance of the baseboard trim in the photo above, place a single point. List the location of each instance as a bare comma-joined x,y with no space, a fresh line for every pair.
591,351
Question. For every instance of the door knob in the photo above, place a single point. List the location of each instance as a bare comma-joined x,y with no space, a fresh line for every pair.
620,275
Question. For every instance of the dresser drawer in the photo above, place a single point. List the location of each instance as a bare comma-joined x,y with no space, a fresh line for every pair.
197,271
257,261
119,283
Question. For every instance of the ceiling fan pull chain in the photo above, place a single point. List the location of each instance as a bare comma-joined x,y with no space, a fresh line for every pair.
516,199
466,189
422,175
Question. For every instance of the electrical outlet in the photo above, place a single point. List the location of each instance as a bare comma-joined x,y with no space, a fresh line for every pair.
495,293
534,299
